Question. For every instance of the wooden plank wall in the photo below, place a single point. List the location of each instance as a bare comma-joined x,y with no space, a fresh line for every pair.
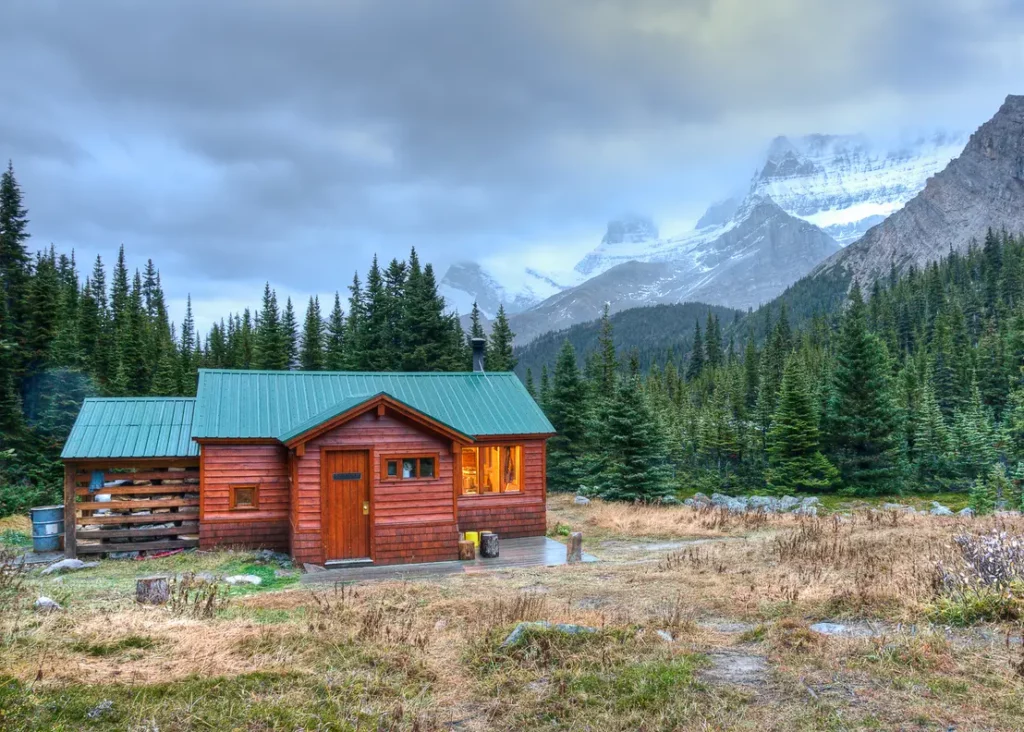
512,515
152,506
411,520
262,465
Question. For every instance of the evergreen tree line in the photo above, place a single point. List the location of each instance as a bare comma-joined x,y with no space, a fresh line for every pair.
918,387
63,338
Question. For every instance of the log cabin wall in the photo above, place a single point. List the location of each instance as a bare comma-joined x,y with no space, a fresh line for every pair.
410,520
227,465
512,515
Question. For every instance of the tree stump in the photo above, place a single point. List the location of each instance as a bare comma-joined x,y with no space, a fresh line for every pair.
152,590
574,549
489,546
467,550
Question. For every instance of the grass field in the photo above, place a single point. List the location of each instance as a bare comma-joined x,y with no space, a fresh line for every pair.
736,594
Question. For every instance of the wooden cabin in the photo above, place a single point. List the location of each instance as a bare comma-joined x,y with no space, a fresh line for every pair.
331,467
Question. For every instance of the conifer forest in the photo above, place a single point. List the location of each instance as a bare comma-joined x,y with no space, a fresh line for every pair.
915,384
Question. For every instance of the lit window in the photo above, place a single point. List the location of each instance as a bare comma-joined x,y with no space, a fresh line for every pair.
422,467
492,469
245,497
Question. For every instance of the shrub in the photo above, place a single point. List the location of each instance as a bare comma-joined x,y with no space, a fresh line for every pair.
988,584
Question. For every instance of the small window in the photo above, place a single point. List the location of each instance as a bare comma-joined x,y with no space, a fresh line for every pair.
245,497
414,467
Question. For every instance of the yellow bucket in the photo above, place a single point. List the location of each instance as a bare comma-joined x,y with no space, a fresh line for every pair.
473,536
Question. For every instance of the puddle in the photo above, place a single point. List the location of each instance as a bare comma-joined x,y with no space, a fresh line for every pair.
740,669
659,546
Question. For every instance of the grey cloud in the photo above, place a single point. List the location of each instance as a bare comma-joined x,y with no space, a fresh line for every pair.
249,137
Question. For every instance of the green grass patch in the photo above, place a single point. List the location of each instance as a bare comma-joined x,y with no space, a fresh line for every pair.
258,701
15,538
268,574
121,645
971,608
754,635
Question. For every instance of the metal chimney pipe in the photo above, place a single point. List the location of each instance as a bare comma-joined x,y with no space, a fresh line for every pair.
478,353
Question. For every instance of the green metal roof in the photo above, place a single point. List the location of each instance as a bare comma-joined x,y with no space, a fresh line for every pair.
134,427
278,404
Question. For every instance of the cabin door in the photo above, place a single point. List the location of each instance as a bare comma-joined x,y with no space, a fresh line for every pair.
346,505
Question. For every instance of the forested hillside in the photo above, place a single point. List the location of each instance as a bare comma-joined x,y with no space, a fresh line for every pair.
657,334
63,338
919,387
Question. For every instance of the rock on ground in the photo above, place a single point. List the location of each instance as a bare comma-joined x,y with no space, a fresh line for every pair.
46,605
742,669
69,565
243,579
581,501
520,630
939,510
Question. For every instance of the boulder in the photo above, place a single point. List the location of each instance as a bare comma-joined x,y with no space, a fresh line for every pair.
243,579
939,510
966,512
68,565
520,630
670,501
805,511
700,499
664,635
768,504
788,503
46,605
581,501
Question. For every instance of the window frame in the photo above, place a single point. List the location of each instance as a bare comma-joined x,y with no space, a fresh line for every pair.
400,457
233,500
479,448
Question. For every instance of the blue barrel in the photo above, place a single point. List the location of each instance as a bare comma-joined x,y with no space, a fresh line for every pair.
47,528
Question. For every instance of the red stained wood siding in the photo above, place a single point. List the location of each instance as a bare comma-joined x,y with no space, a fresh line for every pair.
411,520
512,515
265,466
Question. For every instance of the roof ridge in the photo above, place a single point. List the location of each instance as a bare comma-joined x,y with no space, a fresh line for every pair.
357,373
140,399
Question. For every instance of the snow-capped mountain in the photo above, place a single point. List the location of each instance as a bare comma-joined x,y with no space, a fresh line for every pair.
840,185
752,259
517,289
844,184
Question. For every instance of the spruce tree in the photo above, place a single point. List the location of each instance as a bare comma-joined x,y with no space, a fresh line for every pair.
712,342
373,335
696,366
862,417
312,357
354,331
795,461
270,348
334,356
499,346
633,464
290,334
15,268
566,407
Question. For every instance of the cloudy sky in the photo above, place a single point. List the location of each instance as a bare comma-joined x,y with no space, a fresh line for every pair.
240,141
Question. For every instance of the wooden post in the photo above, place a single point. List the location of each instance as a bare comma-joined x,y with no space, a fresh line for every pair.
70,517
574,549
152,590
467,550
489,545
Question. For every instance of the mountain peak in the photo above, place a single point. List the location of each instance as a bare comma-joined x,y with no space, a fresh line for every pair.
631,228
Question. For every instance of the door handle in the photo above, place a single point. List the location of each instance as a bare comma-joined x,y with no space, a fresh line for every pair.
366,508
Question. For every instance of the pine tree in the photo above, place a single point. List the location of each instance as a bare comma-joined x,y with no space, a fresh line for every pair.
862,417
270,348
334,356
290,335
566,407
982,497
373,336
312,358
696,365
712,342
545,387
795,461
15,268
187,351
354,330
476,330
499,347
528,383
634,461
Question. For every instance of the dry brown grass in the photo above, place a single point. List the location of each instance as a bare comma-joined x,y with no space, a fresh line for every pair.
16,523
431,643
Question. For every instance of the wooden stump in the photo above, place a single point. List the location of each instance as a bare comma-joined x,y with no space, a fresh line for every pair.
467,550
574,549
489,546
152,590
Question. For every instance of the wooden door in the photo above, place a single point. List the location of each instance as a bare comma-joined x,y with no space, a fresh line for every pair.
346,505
